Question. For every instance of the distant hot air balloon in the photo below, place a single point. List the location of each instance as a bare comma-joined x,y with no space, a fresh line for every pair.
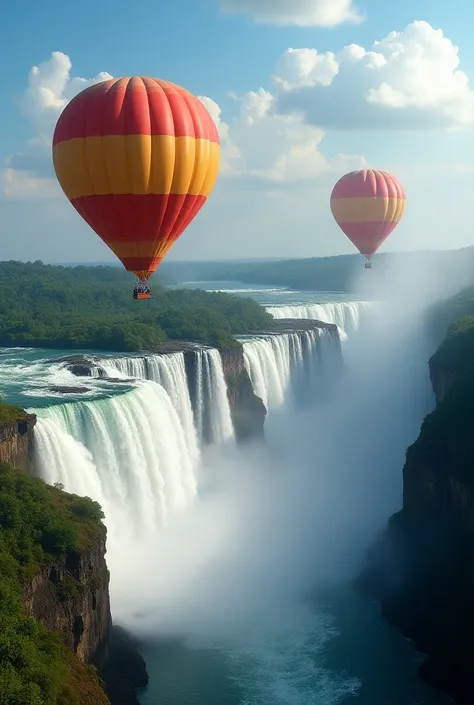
368,205
137,158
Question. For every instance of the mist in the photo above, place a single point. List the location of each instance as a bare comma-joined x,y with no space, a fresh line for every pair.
275,521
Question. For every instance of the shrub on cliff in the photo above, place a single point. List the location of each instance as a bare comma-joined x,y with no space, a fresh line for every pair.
8,413
38,524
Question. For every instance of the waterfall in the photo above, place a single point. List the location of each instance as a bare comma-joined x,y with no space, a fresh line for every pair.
297,361
345,314
127,451
211,419
169,371
137,452
212,411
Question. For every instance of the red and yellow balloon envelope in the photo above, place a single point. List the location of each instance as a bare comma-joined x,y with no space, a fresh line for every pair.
368,205
137,158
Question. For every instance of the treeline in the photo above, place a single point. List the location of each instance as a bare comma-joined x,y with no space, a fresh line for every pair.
321,273
92,308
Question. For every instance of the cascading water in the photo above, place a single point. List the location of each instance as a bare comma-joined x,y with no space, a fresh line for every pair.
345,314
212,411
128,451
212,419
170,372
298,361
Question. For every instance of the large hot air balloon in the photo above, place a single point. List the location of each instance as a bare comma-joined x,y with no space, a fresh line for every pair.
137,158
368,205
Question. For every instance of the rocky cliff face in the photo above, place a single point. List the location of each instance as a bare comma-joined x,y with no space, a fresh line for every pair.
248,411
422,568
16,440
71,597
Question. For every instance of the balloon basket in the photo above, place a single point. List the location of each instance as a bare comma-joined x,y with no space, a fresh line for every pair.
368,265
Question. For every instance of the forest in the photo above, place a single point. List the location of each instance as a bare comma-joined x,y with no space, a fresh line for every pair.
92,308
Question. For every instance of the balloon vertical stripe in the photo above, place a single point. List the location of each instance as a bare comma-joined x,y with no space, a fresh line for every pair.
137,158
368,205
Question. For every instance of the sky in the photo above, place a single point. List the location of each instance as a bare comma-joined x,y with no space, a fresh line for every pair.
301,91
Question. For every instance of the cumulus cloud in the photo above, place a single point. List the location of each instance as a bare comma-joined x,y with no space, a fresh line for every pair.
410,79
258,145
50,88
229,151
302,13
29,173
261,144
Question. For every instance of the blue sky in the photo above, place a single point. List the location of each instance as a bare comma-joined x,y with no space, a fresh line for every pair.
422,132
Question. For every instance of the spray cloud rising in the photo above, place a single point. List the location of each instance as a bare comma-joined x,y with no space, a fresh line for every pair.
274,521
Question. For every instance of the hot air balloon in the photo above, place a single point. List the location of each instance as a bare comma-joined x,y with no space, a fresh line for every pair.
137,158
368,205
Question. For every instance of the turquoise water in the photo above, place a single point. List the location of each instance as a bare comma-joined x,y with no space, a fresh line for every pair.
27,376
343,653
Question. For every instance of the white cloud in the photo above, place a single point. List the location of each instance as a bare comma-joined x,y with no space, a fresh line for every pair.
50,88
261,144
303,13
229,151
29,174
300,68
258,145
410,79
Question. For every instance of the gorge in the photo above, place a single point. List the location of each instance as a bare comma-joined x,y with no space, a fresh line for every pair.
208,530
194,396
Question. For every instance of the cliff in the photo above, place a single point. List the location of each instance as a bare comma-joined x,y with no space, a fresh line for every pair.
16,438
70,596
422,569
50,604
52,555
248,411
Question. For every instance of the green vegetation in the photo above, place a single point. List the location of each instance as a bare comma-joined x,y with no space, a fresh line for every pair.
453,321
92,308
446,439
455,355
453,313
9,413
39,524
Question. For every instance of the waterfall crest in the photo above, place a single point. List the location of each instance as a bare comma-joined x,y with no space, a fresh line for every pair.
301,361
345,314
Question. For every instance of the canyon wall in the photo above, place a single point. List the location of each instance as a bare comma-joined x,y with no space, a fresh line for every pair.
421,569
